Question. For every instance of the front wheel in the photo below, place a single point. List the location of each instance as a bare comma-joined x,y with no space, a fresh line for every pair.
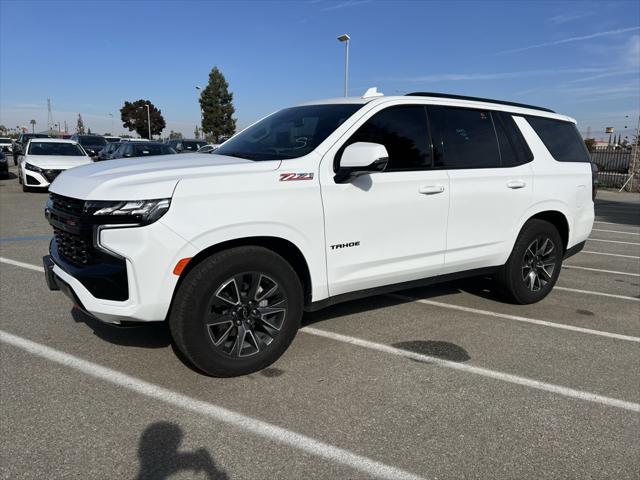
237,311
534,264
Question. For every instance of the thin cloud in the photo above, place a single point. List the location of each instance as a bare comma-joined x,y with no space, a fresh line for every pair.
568,17
614,73
347,4
570,40
461,77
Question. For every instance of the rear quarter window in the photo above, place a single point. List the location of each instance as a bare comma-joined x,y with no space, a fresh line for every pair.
562,139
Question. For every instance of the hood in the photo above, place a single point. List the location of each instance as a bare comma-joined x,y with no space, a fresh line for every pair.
57,162
148,178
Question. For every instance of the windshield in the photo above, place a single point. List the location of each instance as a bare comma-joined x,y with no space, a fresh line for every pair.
289,133
54,148
92,141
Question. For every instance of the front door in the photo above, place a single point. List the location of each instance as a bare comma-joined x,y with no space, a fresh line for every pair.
387,227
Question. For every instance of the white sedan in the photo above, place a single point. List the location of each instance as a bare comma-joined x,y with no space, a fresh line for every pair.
45,158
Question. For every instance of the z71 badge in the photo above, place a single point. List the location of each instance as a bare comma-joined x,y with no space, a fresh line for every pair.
292,177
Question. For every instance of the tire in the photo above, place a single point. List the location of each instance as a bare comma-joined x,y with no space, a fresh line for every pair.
208,316
534,264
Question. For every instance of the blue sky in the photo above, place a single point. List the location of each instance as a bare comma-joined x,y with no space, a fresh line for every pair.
579,58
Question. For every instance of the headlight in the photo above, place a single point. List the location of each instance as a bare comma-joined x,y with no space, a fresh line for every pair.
33,168
141,212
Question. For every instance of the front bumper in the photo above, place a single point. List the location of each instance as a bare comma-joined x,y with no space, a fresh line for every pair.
148,256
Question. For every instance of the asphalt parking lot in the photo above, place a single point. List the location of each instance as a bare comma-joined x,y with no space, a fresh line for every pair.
445,382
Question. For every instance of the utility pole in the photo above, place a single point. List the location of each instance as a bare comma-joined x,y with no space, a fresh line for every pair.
49,116
148,119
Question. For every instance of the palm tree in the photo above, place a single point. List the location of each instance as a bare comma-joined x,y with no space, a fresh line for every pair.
33,126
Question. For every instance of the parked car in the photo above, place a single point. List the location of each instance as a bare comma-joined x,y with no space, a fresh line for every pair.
4,165
132,149
210,148
21,142
317,204
182,145
92,144
107,152
6,145
45,159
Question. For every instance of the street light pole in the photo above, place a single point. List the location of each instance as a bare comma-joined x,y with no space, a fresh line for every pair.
148,119
345,39
111,115
199,88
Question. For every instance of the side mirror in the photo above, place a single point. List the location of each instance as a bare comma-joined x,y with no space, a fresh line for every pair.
361,157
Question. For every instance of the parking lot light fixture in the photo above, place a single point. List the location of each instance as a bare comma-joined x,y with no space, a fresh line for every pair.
345,39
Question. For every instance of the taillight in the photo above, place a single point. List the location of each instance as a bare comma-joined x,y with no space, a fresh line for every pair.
594,181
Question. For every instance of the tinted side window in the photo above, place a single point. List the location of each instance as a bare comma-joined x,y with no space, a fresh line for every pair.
468,138
403,131
561,139
513,147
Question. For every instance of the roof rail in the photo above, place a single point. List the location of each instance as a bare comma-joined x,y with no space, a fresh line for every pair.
476,99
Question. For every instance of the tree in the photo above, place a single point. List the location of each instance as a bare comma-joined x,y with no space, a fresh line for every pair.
33,125
196,132
134,117
3,130
216,103
80,125
174,135
590,143
89,132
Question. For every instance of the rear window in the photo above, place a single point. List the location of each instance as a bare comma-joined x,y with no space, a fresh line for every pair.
468,137
152,149
5,140
562,139
513,147
192,146
90,141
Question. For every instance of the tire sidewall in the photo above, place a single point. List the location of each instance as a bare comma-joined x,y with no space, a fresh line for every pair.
531,230
187,317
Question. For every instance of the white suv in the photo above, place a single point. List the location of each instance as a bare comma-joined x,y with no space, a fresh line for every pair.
317,204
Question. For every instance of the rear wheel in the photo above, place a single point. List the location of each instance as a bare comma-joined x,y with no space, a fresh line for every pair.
237,311
534,264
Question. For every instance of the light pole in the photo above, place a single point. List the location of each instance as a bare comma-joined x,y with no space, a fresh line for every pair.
199,88
345,39
111,115
148,119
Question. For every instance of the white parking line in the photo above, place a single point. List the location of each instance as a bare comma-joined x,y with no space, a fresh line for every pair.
610,223
610,254
220,414
15,263
517,318
614,231
485,372
575,267
610,241
598,294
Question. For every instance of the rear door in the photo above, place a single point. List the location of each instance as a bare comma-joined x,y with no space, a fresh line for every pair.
386,227
491,183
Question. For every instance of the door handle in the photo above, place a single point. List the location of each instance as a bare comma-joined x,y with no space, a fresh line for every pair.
431,189
515,184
